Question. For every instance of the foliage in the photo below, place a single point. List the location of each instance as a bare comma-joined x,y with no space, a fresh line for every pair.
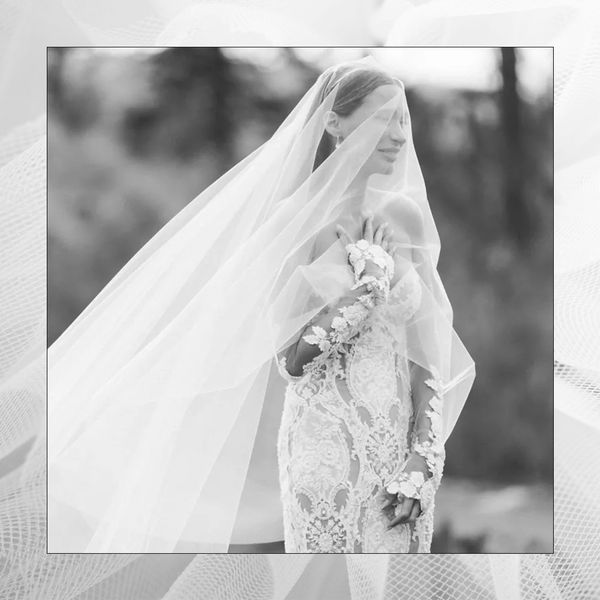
133,139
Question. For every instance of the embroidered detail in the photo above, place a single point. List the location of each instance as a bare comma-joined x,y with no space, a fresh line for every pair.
358,254
432,450
343,327
408,484
320,338
345,433
435,383
361,251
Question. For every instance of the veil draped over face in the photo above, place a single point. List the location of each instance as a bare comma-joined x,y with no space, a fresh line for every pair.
164,396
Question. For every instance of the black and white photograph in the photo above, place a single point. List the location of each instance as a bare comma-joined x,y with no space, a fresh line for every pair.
300,300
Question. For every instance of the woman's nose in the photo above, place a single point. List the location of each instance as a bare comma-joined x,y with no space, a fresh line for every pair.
397,134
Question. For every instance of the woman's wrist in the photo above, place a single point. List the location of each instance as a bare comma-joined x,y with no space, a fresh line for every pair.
362,251
407,483
373,268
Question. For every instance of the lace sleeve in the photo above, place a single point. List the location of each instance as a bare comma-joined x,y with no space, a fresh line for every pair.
422,471
405,297
336,327
340,323
344,326
427,441
283,370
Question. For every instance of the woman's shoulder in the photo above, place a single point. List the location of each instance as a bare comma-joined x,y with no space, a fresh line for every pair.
406,211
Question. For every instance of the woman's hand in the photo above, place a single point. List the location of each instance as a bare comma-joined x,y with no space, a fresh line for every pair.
381,236
400,509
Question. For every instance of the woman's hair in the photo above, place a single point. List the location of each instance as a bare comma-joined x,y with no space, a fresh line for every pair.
353,86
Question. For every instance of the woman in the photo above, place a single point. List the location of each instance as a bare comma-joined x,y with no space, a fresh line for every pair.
349,426
165,396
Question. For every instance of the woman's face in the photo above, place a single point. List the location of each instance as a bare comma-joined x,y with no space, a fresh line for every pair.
386,154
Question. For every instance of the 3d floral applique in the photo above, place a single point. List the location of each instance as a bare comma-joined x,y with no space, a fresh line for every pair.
433,452
358,254
319,338
408,484
435,385
334,509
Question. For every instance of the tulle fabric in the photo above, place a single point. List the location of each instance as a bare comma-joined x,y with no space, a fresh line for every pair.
28,571
155,392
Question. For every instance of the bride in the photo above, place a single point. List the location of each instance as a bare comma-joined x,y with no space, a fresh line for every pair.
278,362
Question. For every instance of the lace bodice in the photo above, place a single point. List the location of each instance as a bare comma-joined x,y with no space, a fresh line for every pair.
346,431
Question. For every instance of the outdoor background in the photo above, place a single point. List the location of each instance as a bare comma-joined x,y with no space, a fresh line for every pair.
133,136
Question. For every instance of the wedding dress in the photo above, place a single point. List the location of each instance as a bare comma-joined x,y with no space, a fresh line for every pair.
347,430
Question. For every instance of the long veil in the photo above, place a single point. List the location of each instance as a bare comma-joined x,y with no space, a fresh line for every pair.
164,395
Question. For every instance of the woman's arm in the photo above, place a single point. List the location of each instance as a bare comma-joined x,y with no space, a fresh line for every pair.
337,324
320,336
427,448
422,471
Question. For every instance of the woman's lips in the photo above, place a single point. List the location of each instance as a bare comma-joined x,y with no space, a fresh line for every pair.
389,153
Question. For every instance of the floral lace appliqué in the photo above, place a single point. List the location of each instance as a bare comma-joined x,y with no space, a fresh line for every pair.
345,432
432,450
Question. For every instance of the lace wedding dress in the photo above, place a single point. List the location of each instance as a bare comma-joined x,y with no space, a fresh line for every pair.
347,429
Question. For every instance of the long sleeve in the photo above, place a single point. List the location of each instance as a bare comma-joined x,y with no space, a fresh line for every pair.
426,446
341,321
427,453
426,441
335,326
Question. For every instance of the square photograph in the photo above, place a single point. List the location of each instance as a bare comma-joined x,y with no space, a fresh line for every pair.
300,300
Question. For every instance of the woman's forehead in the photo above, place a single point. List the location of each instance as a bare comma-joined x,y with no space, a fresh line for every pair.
387,97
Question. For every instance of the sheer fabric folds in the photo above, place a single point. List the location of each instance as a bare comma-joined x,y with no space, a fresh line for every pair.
164,398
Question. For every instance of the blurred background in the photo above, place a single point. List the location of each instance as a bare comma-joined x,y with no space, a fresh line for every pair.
135,134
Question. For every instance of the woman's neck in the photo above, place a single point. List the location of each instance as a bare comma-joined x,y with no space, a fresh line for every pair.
355,196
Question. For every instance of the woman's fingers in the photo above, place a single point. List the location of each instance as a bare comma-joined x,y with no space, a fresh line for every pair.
415,512
392,246
388,241
379,235
343,235
383,235
390,500
389,234
403,513
408,510
368,229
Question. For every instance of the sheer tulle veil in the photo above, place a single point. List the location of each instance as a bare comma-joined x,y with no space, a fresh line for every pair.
164,398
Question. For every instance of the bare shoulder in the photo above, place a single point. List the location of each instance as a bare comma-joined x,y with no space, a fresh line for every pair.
406,211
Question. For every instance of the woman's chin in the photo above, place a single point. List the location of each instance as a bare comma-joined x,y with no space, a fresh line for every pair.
381,168
386,168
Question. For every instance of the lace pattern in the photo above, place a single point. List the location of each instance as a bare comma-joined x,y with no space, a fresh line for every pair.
346,432
432,450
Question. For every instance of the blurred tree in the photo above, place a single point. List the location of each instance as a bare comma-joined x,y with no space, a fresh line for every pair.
56,84
192,88
518,216
72,96
202,110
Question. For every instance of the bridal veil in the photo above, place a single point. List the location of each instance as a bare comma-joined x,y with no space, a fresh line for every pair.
164,397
